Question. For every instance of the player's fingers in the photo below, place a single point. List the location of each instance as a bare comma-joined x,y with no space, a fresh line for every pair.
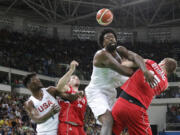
156,82
76,63
81,93
72,63
148,81
151,84
56,109
152,81
53,105
56,106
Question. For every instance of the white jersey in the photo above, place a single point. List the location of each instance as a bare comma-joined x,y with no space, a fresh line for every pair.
44,106
106,78
101,93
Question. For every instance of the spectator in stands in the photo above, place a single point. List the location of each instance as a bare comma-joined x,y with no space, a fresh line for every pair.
11,118
53,53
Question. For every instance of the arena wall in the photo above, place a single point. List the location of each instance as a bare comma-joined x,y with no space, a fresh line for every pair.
65,31
157,116
157,111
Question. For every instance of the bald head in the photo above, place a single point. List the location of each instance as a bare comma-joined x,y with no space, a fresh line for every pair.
169,64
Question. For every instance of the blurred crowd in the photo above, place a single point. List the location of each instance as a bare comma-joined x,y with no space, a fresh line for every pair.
173,112
15,121
173,117
13,118
155,51
171,92
90,126
50,56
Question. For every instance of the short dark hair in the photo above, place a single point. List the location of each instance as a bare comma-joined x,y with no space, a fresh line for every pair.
27,78
101,36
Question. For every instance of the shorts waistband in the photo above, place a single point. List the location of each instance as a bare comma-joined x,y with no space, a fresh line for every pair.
131,99
72,123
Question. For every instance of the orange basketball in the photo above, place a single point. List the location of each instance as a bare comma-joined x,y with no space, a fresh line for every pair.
104,16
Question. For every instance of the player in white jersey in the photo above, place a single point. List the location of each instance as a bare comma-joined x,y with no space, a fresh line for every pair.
108,74
42,106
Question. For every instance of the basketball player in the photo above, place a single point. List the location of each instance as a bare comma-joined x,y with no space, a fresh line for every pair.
129,111
42,106
71,115
108,74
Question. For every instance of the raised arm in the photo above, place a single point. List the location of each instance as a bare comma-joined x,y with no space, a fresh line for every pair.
71,97
64,94
62,87
129,64
64,80
139,61
34,115
105,59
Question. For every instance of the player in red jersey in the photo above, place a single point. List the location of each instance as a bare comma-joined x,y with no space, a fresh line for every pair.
129,111
71,115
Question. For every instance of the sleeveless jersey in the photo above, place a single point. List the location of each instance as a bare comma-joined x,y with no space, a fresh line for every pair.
138,88
106,78
43,106
73,111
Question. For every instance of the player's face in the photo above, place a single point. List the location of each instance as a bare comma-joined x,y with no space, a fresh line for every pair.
110,42
35,83
74,81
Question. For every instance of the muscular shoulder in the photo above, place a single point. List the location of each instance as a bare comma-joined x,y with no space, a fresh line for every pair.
100,57
100,53
121,49
52,90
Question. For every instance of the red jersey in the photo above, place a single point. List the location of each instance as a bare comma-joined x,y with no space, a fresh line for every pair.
138,88
73,111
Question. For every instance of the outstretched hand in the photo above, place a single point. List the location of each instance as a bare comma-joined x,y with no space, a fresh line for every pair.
73,65
150,78
55,109
81,93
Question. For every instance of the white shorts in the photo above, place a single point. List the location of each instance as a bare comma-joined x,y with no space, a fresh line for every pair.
100,100
53,132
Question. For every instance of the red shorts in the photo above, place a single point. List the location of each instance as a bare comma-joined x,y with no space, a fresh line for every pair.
131,116
68,129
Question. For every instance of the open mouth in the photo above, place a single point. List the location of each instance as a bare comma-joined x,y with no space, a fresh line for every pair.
76,85
111,47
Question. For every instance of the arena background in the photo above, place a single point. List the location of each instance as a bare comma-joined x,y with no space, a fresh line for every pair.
45,35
